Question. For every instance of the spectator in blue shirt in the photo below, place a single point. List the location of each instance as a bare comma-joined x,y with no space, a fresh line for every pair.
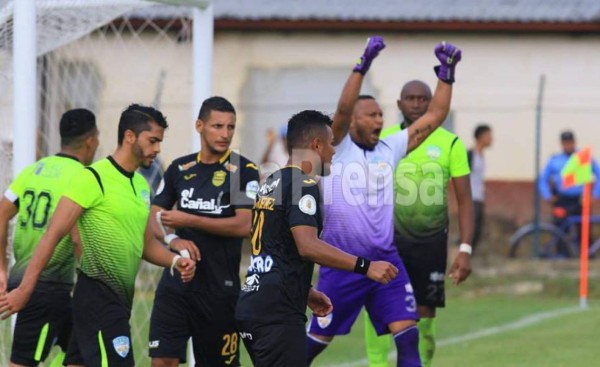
564,202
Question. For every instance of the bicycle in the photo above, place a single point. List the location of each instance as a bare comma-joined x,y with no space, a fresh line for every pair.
554,241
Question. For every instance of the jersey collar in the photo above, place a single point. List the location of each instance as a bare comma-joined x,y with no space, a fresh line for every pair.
222,160
119,168
364,147
63,155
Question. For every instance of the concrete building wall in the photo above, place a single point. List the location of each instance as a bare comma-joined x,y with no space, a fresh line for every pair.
497,83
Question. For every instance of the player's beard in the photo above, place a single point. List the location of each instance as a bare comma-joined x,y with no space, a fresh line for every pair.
367,141
138,152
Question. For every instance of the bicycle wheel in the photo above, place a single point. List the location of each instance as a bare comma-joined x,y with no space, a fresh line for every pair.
553,243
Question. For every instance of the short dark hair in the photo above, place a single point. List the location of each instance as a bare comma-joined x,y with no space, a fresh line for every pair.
480,130
137,118
567,135
305,126
214,104
76,124
365,96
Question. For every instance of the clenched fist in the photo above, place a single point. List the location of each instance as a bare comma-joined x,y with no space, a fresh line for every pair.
382,271
374,45
449,55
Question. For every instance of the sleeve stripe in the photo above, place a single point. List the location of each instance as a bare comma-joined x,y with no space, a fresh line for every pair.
97,178
453,142
10,195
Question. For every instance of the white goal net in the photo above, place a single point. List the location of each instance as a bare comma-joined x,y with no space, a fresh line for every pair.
101,55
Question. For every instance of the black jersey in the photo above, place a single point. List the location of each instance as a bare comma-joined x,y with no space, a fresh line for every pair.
278,279
211,190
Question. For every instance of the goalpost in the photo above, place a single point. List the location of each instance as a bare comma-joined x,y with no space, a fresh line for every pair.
101,55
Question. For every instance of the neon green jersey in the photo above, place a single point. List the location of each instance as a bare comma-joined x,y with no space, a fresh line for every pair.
36,191
116,206
420,183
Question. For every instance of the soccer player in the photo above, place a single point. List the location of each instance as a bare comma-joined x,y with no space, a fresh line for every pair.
421,220
358,201
213,191
110,203
286,222
32,197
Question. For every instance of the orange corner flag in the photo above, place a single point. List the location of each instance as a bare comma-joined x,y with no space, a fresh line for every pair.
578,170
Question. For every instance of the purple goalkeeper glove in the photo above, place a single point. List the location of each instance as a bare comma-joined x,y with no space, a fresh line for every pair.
449,55
374,45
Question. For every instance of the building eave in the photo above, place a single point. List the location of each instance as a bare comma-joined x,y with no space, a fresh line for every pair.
403,26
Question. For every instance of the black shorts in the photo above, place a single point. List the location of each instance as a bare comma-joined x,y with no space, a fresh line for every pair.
208,319
425,263
274,345
101,333
45,321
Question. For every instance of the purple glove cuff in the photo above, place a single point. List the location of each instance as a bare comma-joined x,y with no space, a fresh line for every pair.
448,55
445,73
374,45
362,65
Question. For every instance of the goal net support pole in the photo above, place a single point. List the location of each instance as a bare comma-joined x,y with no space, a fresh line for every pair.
203,25
24,84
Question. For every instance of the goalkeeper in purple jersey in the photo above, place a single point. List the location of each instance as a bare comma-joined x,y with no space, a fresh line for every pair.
358,202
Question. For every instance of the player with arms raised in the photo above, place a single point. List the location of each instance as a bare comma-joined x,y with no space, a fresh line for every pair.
359,208
287,220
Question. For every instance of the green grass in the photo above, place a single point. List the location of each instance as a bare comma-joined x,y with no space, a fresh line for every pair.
566,341
466,316
485,303
481,303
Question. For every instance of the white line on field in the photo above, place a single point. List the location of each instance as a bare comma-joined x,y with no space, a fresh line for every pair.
495,330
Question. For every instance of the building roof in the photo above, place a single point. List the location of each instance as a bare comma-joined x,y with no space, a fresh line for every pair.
411,10
397,15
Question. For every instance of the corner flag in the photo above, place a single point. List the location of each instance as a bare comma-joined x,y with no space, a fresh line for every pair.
578,170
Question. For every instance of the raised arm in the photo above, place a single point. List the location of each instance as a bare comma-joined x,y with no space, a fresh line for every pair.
7,211
351,91
64,218
449,56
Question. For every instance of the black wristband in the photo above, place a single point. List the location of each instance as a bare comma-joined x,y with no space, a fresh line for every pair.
450,80
362,265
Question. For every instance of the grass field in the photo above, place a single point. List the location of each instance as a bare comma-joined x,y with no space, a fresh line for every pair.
502,320
489,304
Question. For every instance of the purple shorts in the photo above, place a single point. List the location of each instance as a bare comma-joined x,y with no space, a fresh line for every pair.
349,292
